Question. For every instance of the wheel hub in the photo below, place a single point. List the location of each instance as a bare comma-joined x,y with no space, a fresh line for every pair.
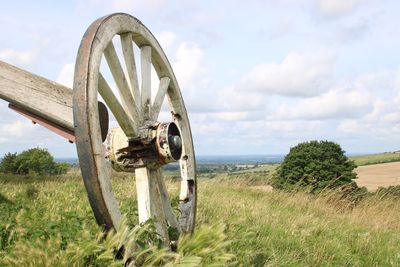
158,144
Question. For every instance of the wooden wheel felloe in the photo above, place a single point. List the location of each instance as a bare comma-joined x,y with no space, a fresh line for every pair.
141,143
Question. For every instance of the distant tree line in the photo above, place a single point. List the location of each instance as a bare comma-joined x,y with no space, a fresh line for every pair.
32,161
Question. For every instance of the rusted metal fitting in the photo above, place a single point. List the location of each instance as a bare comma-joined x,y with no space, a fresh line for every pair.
115,141
160,146
168,142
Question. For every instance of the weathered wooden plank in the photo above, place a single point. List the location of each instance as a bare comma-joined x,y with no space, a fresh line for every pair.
149,200
129,126
117,72
129,56
162,90
42,97
166,203
145,55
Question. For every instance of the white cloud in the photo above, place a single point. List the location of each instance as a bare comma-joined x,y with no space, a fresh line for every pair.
152,3
397,87
166,38
208,128
189,65
192,73
393,117
66,75
112,5
305,74
18,58
277,101
236,99
337,7
354,31
349,126
13,131
378,108
232,116
378,82
337,103
119,5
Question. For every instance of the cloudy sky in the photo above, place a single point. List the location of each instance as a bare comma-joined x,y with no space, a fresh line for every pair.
257,76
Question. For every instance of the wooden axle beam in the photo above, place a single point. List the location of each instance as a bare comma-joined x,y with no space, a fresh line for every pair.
36,95
45,102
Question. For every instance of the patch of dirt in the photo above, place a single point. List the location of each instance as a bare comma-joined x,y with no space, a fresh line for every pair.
374,176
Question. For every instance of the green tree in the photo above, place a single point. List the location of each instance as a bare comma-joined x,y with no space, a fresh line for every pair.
62,168
315,165
36,160
7,164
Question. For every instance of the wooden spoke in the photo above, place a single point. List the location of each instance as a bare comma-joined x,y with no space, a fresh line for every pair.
149,200
168,211
145,55
162,90
129,56
129,126
119,77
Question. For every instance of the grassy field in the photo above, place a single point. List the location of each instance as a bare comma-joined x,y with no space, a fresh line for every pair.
376,158
48,222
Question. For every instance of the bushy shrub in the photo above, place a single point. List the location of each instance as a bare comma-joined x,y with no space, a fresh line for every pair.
7,164
35,160
62,168
314,165
32,161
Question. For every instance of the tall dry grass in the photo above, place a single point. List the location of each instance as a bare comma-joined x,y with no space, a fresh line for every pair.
48,222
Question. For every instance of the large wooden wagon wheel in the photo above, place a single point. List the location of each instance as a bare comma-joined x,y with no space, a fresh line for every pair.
141,144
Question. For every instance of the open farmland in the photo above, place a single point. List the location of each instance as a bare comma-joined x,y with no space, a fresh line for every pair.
378,175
